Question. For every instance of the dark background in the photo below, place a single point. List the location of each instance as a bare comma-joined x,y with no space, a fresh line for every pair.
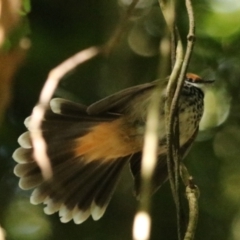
60,28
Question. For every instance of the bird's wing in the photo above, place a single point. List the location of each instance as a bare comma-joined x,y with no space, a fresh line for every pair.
117,102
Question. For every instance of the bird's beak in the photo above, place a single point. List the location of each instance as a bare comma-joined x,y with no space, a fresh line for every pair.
206,81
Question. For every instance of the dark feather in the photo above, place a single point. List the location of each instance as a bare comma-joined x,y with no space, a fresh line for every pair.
160,174
117,102
79,188
82,184
74,110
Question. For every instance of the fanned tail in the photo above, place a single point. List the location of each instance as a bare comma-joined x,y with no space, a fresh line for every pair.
85,168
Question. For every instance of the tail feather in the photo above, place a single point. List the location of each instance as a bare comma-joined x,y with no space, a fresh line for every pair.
80,186
78,189
66,107
30,182
24,140
80,216
100,191
22,155
106,190
160,174
23,170
76,110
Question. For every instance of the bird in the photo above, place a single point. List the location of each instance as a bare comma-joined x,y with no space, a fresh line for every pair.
88,147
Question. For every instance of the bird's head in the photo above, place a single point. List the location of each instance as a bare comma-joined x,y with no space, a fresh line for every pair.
197,81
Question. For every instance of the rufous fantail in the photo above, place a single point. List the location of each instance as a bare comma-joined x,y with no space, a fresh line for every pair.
89,146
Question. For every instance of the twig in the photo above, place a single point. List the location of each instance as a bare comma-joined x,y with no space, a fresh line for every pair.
190,43
172,130
2,233
148,164
169,15
172,122
51,83
192,194
39,145
172,84
173,116
149,160
114,40
149,157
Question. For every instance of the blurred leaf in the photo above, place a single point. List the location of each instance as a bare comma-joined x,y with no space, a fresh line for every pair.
26,7
35,225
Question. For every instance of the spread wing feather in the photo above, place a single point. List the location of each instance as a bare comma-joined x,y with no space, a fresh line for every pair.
117,102
79,187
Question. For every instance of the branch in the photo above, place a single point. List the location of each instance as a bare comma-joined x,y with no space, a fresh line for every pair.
2,233
148,164
169,17
190,43
192,194
150,148
39,145
114,40
171,119
172,131
51,83
173,115
171,108
169,13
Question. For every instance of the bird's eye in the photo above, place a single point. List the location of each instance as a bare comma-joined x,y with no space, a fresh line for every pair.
190,79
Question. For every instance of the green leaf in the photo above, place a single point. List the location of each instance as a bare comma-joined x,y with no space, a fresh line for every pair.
26,7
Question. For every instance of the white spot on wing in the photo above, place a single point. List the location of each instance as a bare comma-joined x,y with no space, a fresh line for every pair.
27,121
24,184
51,207
24,140
19,155
17,170
80,216
65,214
29,182
96,211
55,105
37,197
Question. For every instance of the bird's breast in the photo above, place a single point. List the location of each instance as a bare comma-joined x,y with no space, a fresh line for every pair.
190,113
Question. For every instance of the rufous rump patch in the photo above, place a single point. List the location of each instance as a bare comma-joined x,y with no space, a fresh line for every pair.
109,140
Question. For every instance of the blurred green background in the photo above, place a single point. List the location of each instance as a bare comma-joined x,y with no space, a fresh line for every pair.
60,28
